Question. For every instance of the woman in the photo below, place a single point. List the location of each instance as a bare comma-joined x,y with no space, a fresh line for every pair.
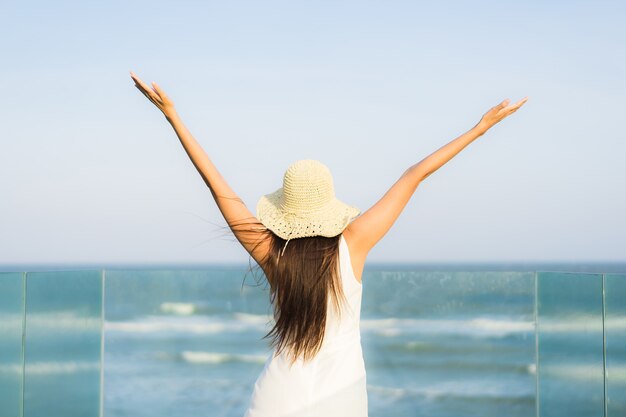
312,249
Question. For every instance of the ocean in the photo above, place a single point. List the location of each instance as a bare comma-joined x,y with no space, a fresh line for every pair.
434,343
189,341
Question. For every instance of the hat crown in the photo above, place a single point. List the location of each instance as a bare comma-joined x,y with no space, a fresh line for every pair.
307,186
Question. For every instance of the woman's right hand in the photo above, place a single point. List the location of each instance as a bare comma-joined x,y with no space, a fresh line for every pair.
156,95
499,112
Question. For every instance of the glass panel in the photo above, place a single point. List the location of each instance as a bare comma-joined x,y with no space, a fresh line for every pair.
449,343
570,344
615,339
11,359
183,342
63,344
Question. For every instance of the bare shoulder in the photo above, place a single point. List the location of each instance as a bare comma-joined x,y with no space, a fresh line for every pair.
357,257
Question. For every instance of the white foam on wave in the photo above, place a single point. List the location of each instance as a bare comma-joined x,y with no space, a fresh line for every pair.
494,327
389,331
615,373
578,323
51,321
220,357
52,367
392,393
183,309
11,323
253,318
158,326
584,372
474,326
388,327
186,324
466,388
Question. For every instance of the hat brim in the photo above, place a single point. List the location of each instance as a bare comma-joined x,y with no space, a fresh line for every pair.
329,221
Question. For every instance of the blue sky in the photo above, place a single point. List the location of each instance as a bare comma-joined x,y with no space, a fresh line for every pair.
90,171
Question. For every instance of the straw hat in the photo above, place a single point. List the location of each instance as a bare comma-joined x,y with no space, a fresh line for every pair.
306,204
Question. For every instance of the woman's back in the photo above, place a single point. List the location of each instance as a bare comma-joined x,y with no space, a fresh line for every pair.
333,383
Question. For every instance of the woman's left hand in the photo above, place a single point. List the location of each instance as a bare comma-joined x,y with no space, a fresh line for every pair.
156,95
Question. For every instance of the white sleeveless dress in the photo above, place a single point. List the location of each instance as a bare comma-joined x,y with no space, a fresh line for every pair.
333,384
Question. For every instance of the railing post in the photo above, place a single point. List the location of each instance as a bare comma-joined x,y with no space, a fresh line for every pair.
536,350
604,343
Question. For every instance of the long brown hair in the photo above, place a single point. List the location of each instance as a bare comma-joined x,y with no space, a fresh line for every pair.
301,279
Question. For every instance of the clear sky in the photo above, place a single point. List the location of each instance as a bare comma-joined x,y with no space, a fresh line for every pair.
90,170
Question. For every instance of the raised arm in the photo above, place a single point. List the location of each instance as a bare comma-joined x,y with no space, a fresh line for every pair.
239,218
367,229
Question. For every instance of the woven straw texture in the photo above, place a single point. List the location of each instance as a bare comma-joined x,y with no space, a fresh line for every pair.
306,204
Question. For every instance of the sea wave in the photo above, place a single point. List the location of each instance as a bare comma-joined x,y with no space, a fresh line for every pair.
478,389
51,321
220,357
11,323
252,318
479,326
183,309
452,361
584,372
189,324
51,367
578,323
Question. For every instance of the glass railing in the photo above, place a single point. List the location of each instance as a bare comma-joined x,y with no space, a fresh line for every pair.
190,342
51,343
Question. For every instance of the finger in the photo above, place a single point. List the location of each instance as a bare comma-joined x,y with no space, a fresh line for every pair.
143,90
134,77
148,92
158,89
143,85
154,90
148,96
519,103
